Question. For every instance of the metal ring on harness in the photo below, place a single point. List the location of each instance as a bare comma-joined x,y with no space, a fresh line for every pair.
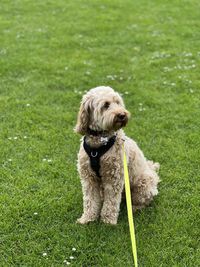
94,155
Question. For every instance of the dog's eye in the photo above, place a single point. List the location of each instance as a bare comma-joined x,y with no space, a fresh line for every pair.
106,105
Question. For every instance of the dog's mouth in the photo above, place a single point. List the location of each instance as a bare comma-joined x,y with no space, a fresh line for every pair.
120,121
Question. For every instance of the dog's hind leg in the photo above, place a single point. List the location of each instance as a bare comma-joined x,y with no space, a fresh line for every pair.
145,189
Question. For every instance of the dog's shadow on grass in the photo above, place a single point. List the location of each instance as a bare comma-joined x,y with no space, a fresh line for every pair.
147,214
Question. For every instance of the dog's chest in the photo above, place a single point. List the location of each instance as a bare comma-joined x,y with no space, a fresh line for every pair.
108,165
111,162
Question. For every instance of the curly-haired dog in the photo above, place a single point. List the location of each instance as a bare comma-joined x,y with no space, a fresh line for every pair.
101,116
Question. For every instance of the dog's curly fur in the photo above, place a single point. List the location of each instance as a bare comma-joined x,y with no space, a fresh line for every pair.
103,110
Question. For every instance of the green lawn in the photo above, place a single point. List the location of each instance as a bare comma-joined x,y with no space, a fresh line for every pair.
50,53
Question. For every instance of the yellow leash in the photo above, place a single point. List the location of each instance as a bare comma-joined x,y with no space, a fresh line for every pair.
129,210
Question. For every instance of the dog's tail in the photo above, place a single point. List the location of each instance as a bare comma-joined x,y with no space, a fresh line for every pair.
155,166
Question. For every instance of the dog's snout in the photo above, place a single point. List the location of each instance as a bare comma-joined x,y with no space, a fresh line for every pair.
121,116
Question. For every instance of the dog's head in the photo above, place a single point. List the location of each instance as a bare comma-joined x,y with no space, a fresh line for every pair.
102,109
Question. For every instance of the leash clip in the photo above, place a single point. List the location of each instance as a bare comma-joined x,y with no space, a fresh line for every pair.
94,155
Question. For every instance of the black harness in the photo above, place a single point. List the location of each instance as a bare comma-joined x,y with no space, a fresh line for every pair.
96,153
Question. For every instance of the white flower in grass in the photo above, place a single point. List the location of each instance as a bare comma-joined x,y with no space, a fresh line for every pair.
189,67
141,108
15,138
49,160
35,213
173,84
187,54
126,93
71,257
166,69
73,249
191,91
178,67
3,51
44,254
87,62
136,48
28,105
9,138
10,160
44,159
25,136
111,77
189,81
66,262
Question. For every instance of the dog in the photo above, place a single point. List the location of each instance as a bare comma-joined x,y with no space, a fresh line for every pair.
101,117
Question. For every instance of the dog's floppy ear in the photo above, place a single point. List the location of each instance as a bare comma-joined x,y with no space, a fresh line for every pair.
83,117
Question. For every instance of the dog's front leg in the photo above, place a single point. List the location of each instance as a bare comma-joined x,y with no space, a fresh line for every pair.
91,200
112,200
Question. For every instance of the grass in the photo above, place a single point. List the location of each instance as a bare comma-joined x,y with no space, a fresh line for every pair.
50,53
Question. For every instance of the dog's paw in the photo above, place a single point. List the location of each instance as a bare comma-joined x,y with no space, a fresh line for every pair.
109,220
84,220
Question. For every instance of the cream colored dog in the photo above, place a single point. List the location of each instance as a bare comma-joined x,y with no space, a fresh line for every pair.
102,115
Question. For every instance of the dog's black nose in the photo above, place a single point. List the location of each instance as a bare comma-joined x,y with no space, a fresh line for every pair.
121,116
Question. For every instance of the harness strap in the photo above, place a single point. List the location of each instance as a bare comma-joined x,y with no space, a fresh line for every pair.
96,153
